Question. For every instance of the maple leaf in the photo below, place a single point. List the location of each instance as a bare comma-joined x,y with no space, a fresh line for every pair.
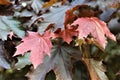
8,24
66,34
59,61
97,28
57,19
69,16
37,44
77,12
23,61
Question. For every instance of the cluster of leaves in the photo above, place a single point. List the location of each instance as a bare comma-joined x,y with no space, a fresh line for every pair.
45,34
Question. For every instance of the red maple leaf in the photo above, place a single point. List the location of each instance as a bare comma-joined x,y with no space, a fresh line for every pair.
37,44
97,28
66,34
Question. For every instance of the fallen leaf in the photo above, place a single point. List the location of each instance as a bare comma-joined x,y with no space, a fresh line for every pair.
97,28
37,44
59,62
8,24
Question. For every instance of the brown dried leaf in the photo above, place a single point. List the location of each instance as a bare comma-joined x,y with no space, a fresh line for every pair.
5,2
51,2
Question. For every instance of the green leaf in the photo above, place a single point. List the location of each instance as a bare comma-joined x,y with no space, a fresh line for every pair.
59,61
7,24
23,61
